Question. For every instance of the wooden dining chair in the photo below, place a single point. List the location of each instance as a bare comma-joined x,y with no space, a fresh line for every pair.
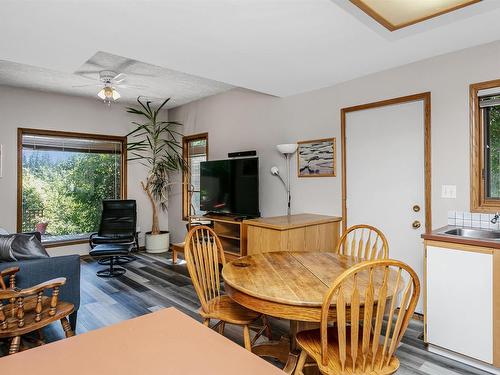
23,311
364,242
381,292
203,252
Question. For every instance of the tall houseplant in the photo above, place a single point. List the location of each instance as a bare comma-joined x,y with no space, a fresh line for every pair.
156,144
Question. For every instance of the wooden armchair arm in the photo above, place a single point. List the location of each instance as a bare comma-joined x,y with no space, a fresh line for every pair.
50,284
11,273
17,297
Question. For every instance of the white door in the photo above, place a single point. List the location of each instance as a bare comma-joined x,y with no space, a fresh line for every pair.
385,177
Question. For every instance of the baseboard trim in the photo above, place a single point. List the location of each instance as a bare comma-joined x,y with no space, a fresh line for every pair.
464,359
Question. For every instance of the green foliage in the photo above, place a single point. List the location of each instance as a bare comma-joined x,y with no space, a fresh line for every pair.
68,192
157,145
494,151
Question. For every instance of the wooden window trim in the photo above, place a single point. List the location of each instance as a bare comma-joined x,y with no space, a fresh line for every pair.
185,175
65,134
478,200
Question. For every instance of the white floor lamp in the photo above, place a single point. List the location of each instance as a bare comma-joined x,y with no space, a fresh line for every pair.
287,149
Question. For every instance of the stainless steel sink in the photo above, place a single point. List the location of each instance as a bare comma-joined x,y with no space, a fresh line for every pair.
474,233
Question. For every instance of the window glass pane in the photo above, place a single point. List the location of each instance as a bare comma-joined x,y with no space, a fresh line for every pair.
492,151
63,187
197,153
196,204
197,147
194,170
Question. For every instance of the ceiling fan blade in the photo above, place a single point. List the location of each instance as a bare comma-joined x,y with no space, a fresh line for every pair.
81,72
119,77
94,84
132,86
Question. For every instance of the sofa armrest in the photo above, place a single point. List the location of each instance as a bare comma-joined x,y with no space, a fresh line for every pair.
36,271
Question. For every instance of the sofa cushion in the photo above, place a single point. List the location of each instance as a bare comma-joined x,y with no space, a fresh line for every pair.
19,246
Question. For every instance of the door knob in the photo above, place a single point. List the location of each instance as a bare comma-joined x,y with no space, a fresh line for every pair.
416,208
416,224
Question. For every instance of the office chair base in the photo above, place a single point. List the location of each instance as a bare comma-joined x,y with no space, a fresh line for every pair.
111,272
124,259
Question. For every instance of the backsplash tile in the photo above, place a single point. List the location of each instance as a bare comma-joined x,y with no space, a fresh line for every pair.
474,220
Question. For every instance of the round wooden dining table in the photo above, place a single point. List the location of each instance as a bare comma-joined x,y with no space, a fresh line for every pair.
285,285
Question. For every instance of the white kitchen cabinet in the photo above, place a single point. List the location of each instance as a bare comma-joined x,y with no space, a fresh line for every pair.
459,290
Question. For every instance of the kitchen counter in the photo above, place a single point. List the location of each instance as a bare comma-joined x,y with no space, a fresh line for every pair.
439,235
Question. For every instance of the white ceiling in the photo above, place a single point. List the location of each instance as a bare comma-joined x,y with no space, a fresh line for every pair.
141,79
279,47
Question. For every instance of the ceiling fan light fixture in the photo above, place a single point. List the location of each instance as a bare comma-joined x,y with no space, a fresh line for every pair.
108,94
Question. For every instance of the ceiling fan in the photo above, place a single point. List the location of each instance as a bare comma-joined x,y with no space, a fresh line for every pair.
109,80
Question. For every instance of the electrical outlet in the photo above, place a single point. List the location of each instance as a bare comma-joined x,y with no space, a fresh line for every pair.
448,191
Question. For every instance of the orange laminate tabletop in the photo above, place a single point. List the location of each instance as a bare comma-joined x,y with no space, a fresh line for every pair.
164,342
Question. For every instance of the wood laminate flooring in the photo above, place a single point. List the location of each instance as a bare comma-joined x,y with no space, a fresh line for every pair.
151,284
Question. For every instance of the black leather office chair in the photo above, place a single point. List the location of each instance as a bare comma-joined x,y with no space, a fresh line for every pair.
117,227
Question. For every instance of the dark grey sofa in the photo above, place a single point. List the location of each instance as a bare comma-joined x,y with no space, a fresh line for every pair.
32,272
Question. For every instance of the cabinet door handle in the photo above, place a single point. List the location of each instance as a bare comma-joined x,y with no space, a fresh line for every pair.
416,224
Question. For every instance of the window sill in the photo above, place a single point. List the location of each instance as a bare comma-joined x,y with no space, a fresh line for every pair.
65,240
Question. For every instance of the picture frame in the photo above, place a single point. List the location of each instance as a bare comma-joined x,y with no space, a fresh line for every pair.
317,158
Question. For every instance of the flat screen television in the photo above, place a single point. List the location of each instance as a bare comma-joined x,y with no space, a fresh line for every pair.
230,187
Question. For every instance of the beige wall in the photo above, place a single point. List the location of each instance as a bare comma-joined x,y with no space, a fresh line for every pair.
244,120
33,109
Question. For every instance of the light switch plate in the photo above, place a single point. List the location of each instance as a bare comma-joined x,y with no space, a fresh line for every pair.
448,191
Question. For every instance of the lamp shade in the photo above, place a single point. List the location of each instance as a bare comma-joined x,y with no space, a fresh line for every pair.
287,148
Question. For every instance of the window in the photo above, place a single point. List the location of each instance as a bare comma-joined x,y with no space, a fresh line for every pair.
485,146
63,178
195,150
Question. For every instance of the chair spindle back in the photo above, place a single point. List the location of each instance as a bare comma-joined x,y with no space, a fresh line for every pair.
203,251
15,308
368,293
364,242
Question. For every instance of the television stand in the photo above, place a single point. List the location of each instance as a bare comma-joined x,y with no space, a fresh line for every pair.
229,216
229,229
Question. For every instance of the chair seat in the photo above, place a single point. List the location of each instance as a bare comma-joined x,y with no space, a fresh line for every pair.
98,240
111,249
63,310
310,341
224,308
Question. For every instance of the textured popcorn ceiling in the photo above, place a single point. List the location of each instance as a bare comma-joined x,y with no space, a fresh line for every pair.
278,47
156,82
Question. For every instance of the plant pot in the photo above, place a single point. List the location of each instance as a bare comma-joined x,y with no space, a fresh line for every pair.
41,227
157,243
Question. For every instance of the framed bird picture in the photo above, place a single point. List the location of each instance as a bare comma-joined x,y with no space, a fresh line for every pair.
316,158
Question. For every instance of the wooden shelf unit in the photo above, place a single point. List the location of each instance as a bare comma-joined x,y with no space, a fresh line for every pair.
230,232
301,232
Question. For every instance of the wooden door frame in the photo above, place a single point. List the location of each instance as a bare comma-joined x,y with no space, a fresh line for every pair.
426,98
